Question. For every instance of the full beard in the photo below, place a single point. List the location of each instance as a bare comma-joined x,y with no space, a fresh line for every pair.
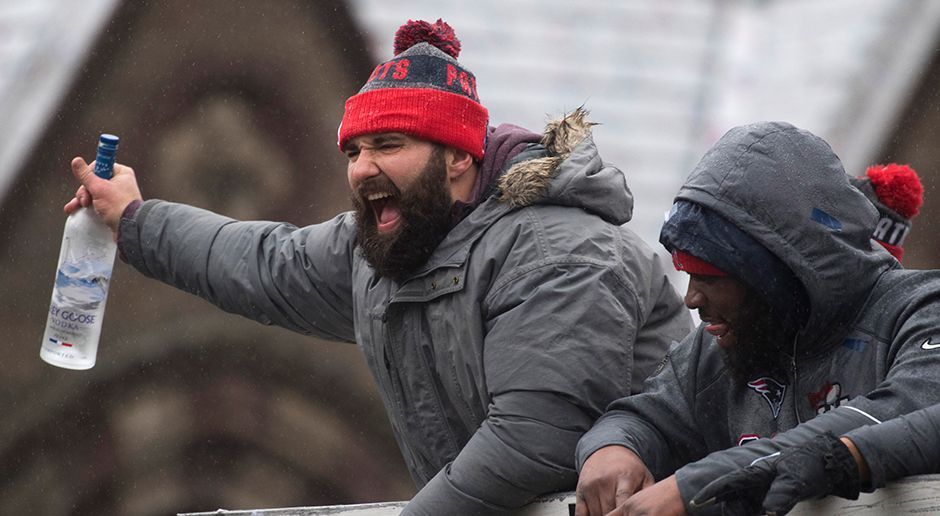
425,220
763,342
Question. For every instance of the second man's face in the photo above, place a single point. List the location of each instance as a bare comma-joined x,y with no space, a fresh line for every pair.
719,301
753,339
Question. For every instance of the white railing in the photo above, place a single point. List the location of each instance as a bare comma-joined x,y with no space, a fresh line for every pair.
914,495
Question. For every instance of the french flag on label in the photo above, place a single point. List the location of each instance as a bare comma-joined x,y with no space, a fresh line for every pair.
60,342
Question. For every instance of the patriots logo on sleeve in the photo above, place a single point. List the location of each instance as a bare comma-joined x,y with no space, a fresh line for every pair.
772,391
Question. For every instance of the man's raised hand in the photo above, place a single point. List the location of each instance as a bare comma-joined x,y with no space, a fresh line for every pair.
109,198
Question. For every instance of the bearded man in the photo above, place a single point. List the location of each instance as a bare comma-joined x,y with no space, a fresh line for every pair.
485,274
808,326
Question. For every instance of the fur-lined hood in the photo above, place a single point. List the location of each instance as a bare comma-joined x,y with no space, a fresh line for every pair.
571,173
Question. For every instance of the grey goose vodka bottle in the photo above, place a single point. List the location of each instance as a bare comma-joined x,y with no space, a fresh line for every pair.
86,258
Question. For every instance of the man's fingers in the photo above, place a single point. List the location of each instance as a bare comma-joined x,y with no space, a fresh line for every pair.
83,197
623,493
71,206
580,505
84,172
783,494
586,505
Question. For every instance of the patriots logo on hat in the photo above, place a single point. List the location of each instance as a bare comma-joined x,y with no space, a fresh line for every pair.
772,391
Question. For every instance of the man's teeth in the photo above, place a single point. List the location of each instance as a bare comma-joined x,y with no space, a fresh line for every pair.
377,196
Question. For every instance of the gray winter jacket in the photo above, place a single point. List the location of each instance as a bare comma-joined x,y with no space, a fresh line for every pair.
858,360
535,312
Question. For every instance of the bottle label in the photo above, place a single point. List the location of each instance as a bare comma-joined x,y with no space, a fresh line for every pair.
70,319
71,332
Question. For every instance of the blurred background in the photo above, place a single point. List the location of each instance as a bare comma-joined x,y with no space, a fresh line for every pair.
233,106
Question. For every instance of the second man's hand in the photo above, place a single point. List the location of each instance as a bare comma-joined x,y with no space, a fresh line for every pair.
608,478
660,499
108,198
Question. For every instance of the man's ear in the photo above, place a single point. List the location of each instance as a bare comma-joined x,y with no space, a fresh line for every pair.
458,162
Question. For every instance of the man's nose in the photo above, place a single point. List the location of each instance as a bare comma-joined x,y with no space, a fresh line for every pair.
363,168
694,298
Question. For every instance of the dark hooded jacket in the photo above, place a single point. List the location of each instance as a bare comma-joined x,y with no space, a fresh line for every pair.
860,357
535,312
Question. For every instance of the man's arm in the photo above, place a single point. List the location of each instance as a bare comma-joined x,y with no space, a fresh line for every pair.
906,388
863,459
908,445
643,437
516,455
273,273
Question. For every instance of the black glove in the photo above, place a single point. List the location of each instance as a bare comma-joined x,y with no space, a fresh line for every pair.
820,467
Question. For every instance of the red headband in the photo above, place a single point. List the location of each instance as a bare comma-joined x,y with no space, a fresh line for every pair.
684,261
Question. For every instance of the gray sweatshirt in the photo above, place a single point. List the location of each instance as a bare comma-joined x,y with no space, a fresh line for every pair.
860,358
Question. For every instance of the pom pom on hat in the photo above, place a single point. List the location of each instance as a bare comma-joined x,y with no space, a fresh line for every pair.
897,187
438,34
898,194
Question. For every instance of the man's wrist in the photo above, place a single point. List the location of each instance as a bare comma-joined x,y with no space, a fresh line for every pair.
131,209
127,215
863,473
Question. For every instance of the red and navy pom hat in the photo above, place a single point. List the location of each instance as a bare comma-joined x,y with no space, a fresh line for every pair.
898,194
423,92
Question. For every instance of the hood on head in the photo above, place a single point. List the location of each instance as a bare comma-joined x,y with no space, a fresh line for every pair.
704,235
786,188
571,174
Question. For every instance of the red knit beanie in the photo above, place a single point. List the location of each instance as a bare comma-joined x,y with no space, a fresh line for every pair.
423,92
898,194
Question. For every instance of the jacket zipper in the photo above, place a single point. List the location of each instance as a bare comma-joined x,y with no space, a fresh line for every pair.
796,406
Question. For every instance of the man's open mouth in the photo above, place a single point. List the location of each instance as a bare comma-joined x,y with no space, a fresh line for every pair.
720,329
385,207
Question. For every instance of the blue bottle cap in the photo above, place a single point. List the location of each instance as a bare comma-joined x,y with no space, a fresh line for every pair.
109,140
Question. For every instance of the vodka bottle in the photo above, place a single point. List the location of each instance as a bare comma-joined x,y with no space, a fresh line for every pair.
86,259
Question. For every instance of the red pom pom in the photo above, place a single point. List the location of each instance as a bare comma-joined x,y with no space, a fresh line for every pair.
440,34
897,187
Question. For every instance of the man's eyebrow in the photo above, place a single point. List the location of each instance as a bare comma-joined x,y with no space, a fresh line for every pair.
381,139
372,141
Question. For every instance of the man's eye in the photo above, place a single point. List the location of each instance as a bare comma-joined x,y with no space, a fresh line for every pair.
352,154
702,278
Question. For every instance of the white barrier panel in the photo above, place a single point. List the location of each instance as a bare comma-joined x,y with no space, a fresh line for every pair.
561,504
918,495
